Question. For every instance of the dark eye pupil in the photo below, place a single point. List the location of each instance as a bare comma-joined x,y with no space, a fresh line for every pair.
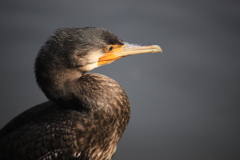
110,48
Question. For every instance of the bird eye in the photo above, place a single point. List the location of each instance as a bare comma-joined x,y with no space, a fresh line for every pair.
109,48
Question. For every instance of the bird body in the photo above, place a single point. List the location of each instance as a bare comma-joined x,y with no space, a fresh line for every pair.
86,114
68,133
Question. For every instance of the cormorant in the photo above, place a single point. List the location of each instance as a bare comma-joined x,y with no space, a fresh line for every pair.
86,114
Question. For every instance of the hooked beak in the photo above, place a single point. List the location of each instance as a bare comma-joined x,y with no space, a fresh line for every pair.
127,50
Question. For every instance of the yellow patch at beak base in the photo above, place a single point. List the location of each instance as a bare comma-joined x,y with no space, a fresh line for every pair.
120,51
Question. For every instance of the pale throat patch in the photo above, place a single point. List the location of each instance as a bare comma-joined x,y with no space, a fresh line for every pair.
92,60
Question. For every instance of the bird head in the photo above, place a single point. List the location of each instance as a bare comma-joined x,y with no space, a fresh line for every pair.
87,48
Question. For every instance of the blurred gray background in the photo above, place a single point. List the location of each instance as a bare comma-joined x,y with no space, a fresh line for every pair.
185,102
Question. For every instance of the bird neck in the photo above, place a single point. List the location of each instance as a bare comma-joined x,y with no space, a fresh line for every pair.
73,89
58,84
